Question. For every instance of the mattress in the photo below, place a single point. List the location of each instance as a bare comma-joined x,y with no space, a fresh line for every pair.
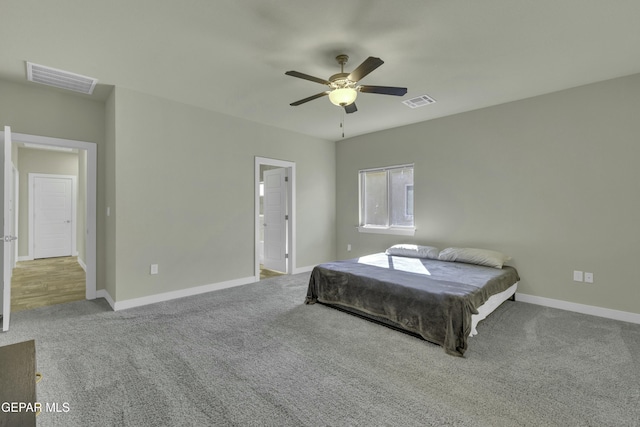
435,299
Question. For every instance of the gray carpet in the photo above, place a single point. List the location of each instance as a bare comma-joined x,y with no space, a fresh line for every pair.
255,355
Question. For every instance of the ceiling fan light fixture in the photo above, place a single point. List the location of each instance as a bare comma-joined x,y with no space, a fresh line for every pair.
343,96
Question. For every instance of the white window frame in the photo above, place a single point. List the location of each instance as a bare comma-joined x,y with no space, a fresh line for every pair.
387,229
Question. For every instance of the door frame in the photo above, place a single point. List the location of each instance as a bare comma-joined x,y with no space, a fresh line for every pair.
291,209
91,197
32,206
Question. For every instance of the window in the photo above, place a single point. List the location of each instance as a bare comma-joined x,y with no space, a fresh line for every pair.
408,189
386,200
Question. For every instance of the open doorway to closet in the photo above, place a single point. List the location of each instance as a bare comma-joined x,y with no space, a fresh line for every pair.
274,217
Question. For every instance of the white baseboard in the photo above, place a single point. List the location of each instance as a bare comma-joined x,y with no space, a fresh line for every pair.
167,296
624,316
25,258
82,264
102,293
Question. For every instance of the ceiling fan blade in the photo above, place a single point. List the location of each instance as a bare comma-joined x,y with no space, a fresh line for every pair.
385,90
351,108
311,98
308,77
369,64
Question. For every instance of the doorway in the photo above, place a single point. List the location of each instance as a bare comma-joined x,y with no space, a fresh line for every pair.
275,242
86,194
50,270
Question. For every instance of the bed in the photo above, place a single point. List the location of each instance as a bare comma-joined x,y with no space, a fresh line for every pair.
440,298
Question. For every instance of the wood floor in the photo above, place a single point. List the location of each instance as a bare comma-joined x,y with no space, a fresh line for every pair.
265,273
48,281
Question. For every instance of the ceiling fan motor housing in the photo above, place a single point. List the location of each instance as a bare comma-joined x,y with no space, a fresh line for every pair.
340,81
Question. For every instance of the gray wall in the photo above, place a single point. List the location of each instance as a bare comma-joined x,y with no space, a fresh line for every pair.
552,181
107,197
179,183
184,192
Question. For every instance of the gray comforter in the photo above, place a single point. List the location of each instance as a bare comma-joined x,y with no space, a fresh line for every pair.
434,299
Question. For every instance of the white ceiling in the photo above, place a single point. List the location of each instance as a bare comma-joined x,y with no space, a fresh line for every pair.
230,56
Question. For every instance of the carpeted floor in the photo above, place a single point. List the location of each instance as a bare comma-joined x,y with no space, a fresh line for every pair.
255,355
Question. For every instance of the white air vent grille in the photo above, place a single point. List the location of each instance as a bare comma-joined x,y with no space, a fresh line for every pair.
59,78
419,101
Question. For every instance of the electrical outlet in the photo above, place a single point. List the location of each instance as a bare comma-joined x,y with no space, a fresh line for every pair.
577,276
588,277
154,269
349,247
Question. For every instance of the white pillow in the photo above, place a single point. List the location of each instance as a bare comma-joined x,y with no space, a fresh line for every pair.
474,256
413,251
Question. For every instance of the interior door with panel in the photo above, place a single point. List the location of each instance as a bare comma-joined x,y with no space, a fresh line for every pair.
53,215
275,223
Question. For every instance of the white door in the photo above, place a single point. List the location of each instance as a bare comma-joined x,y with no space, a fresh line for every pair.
8,240
275,224
53,214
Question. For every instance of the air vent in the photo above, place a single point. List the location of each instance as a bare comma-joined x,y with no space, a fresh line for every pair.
419,101
60,79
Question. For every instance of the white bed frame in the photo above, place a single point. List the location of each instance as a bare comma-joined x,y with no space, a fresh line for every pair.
490,305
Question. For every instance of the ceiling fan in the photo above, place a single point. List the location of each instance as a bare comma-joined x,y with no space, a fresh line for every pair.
343,88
